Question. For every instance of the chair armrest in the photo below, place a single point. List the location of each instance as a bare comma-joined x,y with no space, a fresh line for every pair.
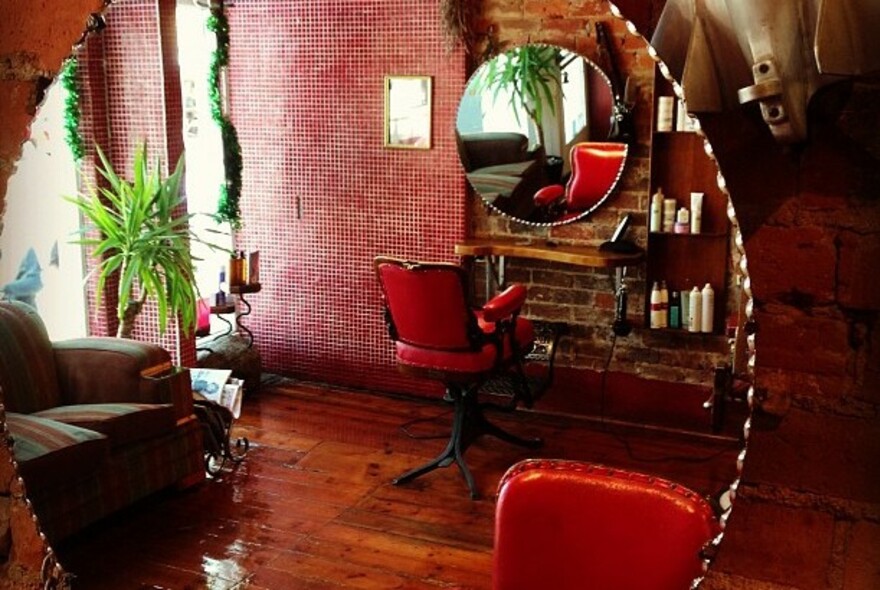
106,370
505,303
549,195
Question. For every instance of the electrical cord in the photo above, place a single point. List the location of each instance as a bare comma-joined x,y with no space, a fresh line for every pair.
603,390
405,427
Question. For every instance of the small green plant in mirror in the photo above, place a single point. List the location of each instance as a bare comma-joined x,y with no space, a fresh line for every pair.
530,76
143,235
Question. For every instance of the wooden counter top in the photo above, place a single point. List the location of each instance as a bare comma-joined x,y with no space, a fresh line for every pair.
544,250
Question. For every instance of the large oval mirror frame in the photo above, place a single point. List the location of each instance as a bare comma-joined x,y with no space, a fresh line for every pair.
52,573
532,130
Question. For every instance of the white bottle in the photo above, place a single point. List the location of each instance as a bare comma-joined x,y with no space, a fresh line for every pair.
708,308
656,210
696,212
695,313
664,305
665,110
655,306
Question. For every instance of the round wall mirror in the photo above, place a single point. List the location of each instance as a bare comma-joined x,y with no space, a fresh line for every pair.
532,132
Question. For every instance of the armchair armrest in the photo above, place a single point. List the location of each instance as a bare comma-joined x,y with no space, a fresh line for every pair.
105,370
505,303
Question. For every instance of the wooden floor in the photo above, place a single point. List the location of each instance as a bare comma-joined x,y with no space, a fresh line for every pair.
312,506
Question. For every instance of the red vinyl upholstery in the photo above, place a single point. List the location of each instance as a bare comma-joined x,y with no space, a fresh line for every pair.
435,327
595,169
568,525
438,335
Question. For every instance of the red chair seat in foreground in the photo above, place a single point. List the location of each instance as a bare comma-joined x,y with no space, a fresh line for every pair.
438,335
568,525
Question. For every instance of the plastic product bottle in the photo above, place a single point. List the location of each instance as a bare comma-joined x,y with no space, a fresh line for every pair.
655,306
220,296
674,310
664,305
707,308
695,314
657,210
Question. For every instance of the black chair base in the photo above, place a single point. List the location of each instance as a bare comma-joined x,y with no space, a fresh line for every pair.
468,424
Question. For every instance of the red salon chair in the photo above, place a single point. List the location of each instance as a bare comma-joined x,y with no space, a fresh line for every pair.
438,335
595,169
569,525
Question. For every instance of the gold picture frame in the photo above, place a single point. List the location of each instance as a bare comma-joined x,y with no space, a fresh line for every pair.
408,112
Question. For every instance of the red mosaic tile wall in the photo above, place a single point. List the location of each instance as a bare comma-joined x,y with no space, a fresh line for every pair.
131,94
321,196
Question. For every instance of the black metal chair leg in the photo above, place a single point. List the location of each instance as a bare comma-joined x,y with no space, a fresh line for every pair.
448,455
468,424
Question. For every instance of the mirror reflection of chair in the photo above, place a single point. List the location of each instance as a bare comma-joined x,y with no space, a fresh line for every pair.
438,335
595,170
569,525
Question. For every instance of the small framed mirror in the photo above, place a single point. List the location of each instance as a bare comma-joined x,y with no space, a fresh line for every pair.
408,112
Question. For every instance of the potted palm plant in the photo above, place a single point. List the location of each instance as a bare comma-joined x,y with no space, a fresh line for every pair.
530,74
139,232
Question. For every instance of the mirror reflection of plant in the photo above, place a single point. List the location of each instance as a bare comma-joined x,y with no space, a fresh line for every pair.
143,235
530,74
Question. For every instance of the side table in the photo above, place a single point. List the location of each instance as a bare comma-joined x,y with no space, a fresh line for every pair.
241,291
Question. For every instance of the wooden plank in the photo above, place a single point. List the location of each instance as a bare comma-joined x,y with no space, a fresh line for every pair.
549,251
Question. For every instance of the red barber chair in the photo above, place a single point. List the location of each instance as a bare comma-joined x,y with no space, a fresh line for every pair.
595,169
568,525
438,335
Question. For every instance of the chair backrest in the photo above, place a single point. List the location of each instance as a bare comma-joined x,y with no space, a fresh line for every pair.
28,377
595,170
427,303
569,525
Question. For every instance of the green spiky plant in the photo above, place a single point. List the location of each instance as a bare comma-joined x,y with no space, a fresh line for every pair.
143,235
531,74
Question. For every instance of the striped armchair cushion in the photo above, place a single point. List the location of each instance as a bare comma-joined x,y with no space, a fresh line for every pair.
122,423
49,452
27,364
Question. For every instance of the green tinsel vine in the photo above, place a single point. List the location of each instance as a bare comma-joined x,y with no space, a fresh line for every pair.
72,135
230,192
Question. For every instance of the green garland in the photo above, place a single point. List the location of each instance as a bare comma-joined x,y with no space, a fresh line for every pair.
68,77
230,193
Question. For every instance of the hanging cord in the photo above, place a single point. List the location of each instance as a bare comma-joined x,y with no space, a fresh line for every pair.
625,442
405,427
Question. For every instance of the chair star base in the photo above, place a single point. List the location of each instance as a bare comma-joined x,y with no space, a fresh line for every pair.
469,423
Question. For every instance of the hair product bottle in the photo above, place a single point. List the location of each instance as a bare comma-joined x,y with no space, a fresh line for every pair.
696,212
695,313
674,310
708,308
664,305
685,308
656,211
656,306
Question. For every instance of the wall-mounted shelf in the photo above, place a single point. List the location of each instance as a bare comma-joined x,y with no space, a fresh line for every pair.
680,166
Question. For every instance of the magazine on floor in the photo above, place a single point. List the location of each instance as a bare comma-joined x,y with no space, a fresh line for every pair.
218,386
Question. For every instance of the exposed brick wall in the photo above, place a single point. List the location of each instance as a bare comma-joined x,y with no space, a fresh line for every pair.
584,298
809,503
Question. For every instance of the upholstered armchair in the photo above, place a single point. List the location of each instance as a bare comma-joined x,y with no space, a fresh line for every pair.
95,423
